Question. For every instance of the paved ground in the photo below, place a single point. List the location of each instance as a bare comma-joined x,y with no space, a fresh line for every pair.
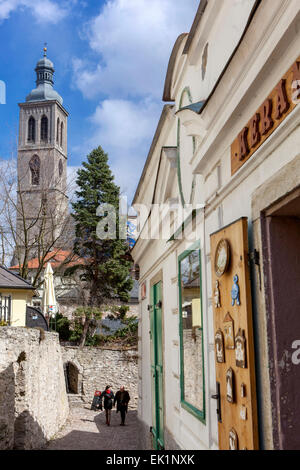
86,430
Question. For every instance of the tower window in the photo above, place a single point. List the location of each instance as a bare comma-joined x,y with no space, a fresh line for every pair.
44,128
31,129
35,166
61,133
60,168
57,131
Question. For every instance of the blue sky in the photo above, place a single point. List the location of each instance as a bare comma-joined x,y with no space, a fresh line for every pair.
110,59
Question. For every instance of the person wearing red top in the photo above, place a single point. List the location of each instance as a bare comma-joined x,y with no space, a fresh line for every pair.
108,397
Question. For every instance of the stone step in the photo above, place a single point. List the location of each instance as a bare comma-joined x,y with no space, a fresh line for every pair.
75,400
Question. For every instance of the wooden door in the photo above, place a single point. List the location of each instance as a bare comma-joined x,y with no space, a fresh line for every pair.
157,366
234,355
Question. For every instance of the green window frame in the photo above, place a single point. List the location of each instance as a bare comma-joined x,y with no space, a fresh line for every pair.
199,414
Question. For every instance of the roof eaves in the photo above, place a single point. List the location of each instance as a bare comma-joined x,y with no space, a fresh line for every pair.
198,17
251,16
196,107
169,75
166,109
17,276
14,287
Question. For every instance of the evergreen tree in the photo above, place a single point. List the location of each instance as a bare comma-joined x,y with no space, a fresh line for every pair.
105,273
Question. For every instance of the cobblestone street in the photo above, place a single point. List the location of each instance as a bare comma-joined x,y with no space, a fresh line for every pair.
86,430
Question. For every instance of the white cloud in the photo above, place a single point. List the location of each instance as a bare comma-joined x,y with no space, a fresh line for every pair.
46,11
123,129
123,123
133,40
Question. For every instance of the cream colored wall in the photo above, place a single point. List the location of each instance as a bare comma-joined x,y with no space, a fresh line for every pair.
262,59
20,298
228,198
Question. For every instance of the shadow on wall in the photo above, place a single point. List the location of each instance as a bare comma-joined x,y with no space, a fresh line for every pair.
18,429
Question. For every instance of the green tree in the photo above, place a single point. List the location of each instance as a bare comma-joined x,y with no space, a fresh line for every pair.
105,273
62,325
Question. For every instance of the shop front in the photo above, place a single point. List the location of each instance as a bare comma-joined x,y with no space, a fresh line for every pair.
219,340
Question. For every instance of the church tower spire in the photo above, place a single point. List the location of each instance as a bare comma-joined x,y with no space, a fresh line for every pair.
44,81
42,161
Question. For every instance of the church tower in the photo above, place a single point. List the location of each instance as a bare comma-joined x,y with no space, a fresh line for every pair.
42,205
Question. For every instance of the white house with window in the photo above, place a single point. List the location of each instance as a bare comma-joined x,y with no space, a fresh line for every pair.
15,295
218,242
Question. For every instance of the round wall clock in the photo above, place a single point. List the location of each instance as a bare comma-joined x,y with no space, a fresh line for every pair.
222,257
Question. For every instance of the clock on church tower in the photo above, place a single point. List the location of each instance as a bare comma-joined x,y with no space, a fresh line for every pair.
42,159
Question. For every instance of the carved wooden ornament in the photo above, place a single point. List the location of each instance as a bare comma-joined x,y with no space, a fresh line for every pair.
235,291
219,344
233,440
240,349
229,332
230,385
243,413
217,296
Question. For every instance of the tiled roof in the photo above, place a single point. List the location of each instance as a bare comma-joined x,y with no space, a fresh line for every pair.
12,281
56,258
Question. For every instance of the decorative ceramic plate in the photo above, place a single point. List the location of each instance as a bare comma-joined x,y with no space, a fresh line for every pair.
222,257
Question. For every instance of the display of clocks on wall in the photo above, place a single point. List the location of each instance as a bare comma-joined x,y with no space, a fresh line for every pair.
222,257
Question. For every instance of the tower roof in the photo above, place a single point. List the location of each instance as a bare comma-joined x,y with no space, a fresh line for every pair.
44,90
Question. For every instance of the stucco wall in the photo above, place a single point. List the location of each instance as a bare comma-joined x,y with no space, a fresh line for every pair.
18,305
33,399
100,367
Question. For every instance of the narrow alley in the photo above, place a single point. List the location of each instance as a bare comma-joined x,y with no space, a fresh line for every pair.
86,430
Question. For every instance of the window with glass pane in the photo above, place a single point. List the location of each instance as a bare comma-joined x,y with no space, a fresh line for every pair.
191,333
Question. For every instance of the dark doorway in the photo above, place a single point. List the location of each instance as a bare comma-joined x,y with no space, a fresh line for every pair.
281,243
72,381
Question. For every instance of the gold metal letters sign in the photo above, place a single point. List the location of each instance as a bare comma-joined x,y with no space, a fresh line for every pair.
283,99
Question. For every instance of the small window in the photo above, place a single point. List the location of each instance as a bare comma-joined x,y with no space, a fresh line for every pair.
60,168
57,131
35,166
44,128
31,129
191,333
61,133
5,309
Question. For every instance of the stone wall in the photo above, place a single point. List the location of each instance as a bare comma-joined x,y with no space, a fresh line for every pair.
99,367
67,309
33,399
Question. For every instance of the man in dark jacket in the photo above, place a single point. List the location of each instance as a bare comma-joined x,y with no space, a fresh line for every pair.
122,398
108,396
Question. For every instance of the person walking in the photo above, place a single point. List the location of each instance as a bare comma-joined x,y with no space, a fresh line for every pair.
122,398
108,397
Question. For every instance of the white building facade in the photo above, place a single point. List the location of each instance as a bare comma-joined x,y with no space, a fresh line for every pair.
226,146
